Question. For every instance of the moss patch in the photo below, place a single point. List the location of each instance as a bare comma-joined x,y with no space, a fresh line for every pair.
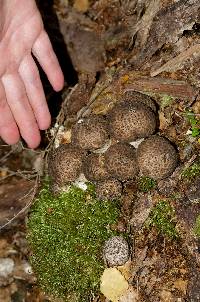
197,226
145,184
163,218
194,122
191,172
166,101
66,235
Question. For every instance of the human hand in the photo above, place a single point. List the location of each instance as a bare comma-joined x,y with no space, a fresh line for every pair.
23,107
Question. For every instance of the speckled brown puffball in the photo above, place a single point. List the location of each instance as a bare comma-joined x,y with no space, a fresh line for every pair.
94,167
137,97
116,251
120,161
90,133
108,189
157,157
65,163
129,121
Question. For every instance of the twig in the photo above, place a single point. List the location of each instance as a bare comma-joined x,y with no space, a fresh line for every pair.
23,174
4,158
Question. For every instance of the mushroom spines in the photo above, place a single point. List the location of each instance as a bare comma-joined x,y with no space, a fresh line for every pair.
65,163
109,189
90,133
129,121
137,97
94,167
120,161
157,157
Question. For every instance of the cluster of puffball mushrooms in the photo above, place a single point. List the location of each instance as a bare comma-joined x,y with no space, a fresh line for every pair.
102,148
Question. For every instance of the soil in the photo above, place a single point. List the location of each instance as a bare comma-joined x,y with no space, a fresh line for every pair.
107,48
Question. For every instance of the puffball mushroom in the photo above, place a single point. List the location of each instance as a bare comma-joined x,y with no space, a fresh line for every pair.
157,158
116,251
129,121
137,97
65,163
90,133
121,162
108,189
94,167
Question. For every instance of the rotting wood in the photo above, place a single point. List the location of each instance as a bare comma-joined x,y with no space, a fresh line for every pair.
140,82
178,89
167,27
178,62
144,24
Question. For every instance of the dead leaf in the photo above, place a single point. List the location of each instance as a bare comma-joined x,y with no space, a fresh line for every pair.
181,285
131,295
164,123
113,284
166,296
126,269
81,5
196,106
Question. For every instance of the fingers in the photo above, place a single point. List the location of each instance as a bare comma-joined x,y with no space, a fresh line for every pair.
43,51
21,109
8,128
31,78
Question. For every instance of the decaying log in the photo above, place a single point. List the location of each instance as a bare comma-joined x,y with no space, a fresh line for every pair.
167,27
136,81
174,88
178,62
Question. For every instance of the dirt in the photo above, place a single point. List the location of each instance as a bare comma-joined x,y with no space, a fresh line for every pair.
107,48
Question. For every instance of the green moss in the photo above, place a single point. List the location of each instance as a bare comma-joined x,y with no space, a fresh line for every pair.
66,235
192,171
166,101
176,196
194,122
145,184
163,218
197,226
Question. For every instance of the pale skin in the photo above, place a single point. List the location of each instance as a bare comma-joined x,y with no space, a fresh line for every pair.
23,108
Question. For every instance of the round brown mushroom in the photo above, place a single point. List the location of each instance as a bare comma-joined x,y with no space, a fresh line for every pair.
121,162
116,251
108,189
130,121
94,167
90,133
65,163
157,158
137,97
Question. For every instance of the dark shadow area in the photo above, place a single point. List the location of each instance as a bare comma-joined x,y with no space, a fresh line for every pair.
51,25
194,31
